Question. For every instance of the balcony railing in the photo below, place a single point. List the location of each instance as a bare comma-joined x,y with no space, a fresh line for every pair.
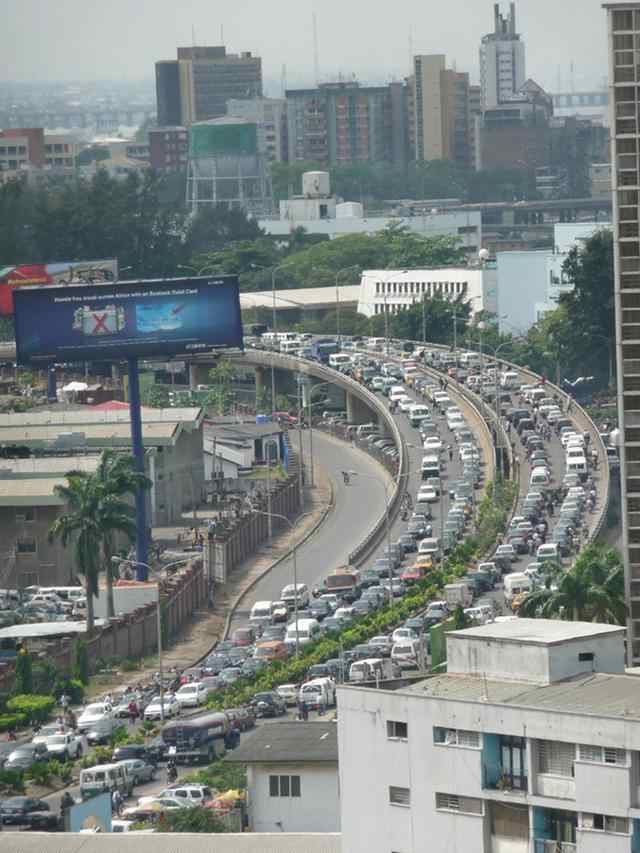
506,782
545,846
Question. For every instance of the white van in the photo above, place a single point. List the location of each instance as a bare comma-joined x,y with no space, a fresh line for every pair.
430,547
290,347
396,392
515,583
317,693
372,669
577,465
340,361
105,777
509,379
376,343
406,654
261,613
308,631
290,593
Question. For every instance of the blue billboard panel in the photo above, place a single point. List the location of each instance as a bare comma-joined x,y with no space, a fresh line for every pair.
140,319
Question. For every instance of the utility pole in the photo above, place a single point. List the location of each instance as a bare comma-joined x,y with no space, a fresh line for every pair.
424,320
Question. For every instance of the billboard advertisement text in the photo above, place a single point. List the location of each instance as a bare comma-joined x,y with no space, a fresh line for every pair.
67,272
111,322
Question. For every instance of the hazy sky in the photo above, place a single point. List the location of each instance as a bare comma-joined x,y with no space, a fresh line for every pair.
116,39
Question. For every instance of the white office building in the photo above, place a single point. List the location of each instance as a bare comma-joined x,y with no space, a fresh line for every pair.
530,283
530,743
393,291
502,67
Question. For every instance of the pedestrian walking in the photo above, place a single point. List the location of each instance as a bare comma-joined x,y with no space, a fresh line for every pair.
116,802
132,708
450,449
594,458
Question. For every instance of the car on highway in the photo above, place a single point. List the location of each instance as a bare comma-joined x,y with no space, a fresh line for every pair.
401,635
192,695
407,542
96,716
268,650
381,645
28,811
138,751
433,444
319,609
506,551
243,636
273,632
418,528
64,746
229,676
170,704
25,755
427,494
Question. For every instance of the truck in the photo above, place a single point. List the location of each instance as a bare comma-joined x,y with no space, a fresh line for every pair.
516,583
458,595
64,746
344,582
197,739
322,348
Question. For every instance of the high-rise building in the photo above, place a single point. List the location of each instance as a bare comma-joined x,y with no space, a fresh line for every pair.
624,100
475,112
168,148
502,66
345,123
439,105
197,85
270,116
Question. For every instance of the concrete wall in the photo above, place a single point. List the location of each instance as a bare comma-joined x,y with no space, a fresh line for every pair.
317,809
50,563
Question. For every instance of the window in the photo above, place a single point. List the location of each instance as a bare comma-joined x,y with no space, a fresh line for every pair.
603,755
453,803
26,513
605,823
556,758
456,737
397,730
399,796
26,546
284,786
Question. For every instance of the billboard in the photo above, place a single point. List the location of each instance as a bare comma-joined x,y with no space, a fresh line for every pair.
67,272
141,319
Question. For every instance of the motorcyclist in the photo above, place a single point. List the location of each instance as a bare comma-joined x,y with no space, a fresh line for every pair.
345,477
172,770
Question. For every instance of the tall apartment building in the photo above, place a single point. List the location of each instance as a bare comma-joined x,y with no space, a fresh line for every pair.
624,36
502,60
529,743
168,148
197,85
345,123
440,111
270,116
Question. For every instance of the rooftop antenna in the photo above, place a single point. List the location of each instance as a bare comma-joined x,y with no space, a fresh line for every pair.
283,79
316,61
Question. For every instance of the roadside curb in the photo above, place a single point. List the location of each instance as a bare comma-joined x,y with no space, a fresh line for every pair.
234,606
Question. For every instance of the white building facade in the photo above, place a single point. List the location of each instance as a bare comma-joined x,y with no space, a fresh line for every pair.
477,762
392,291
502,63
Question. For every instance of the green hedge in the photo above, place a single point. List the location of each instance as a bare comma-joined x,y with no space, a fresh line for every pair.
11,721
35,708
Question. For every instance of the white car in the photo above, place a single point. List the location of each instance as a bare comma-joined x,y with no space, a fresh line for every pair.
93,714
568,436
153,709
64,746
433,443
197,794
192,695
427,494
405,403
404,635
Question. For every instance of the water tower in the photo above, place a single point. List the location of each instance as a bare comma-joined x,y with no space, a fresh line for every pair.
227,167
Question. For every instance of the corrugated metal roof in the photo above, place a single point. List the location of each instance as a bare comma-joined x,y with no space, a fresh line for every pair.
99,434
245,842
544,632
307,297
598,693
295,741
91,415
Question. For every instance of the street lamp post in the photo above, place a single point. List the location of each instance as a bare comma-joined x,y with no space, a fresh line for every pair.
274,322
294,555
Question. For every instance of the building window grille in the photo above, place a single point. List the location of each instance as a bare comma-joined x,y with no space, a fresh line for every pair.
456,737
556,758
397,730
603,754
399,796
284,786
454,803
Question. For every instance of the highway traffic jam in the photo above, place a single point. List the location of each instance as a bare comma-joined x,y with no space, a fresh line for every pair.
559,474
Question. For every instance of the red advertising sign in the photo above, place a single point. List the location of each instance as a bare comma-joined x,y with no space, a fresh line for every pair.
69,272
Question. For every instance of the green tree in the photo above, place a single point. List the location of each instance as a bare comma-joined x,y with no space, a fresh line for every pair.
221,377
79,525
156,396
116,478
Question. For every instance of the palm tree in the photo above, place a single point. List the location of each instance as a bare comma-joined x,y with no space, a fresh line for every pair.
116,478
79,523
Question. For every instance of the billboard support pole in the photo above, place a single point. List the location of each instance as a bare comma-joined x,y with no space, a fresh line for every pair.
138,453
52,387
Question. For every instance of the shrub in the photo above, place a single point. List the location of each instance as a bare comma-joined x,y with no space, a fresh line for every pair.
40,773
11,721
12,781
35,708
24,672
129,665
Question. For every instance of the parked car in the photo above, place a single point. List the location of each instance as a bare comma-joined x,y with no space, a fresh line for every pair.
140,770
134,751
192,695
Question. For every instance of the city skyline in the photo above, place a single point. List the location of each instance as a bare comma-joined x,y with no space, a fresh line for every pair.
154,29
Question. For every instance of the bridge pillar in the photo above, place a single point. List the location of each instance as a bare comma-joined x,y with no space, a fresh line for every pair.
198,375
358,412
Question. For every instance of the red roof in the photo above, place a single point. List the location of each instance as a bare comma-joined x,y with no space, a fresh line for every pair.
110,406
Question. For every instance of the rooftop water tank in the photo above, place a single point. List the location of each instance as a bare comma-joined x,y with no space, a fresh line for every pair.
348,209
316,185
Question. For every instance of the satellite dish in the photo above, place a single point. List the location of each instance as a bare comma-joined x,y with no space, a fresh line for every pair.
484,254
